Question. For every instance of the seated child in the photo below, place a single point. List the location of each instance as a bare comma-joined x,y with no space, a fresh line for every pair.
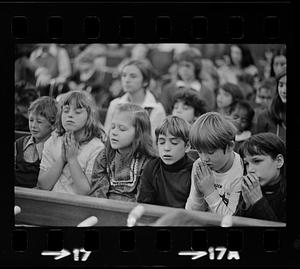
69,154
243,115
264,186
264,96
166,180
28,149
227,96
117,169
188,105
216,175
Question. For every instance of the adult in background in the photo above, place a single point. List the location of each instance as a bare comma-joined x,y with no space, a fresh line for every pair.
135,79
240,61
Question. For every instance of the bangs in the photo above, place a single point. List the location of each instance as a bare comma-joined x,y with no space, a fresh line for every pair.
251,150
212,131
176,127
205,141
78,99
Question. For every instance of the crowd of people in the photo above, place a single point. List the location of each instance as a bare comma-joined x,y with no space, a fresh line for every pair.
167,124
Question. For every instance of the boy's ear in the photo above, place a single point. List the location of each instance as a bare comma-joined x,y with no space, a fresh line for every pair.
280,161
187,146
230,146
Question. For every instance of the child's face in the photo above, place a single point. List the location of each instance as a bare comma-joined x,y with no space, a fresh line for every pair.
184,111
224,99
264,97
279,63
122,131
266,168
240,115
170,148
39,127
186,70
282,89
207,81
236,55
131,79
216,160
73,118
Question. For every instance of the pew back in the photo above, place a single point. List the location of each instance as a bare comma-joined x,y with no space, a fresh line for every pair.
47,208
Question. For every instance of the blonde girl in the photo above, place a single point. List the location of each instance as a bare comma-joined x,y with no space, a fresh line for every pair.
118,168
69,154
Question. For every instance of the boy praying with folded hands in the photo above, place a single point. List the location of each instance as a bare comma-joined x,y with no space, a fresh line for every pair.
217,174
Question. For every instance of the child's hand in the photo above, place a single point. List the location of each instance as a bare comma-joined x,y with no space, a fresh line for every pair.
71,146
204,179
251,189
63,151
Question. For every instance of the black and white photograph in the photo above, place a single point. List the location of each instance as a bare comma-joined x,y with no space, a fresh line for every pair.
164,134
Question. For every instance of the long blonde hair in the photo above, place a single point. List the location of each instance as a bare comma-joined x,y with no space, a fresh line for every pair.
93,127
142,143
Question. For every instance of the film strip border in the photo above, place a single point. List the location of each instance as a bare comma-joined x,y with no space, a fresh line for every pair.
163,27
92,27
141,246
152,22
97,22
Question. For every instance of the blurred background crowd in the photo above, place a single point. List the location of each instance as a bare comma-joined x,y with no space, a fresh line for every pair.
211,69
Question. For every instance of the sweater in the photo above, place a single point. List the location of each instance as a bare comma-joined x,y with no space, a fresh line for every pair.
166,185
26,169
272,206
265,123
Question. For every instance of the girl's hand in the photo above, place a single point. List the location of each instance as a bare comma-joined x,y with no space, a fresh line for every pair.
71,146
205,179
251,189
63,151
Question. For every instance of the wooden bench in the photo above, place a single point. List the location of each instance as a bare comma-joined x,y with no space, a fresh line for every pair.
47,208
19,134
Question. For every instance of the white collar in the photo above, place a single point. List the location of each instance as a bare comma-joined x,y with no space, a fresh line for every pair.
149,100
195,85
243,136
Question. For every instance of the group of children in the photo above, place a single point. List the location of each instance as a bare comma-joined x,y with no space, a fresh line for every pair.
69,151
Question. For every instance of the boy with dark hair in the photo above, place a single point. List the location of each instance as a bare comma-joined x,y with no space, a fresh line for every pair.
188,105
28,149
216,175
166,180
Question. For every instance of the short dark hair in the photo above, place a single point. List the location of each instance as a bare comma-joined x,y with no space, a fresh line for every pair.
263,144
176,126
193,56
190,98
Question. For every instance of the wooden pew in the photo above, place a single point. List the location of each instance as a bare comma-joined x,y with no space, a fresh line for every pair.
46,208
19,134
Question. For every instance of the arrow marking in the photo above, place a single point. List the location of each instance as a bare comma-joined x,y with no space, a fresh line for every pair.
59,254
195,254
